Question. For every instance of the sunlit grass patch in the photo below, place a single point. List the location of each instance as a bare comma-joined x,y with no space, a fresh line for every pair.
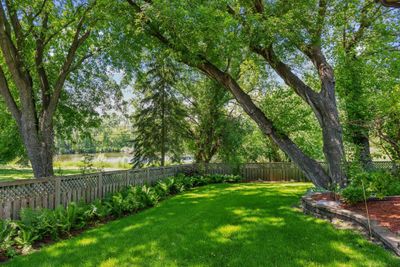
251,224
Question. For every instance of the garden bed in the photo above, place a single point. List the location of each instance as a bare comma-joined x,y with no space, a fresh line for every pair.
384,215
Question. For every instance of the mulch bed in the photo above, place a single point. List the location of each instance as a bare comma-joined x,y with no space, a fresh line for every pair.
386,211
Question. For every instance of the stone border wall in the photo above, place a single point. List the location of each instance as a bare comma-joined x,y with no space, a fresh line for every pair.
331,210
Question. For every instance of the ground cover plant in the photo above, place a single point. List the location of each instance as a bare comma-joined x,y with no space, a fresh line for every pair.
252,224
37,225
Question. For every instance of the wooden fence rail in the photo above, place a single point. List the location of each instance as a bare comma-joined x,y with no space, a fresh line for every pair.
52,192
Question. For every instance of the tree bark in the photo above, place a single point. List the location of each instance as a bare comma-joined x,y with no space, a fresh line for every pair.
163,128
35,127
333,144
326,111
333,137
312,169
39,147
323,105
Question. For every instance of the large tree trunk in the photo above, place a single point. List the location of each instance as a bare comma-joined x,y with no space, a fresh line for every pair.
332,142
359,136
363,150
163,130
326,111
35,127
38,142
206,149
311,168
47,145
322,103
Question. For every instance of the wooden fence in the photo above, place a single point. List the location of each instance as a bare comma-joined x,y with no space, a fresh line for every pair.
272,171
55,191
52,192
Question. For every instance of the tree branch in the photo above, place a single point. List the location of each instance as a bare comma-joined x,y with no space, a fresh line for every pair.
365,23
8,98
390,3
43,79
284,71
320,21
65,25
19,36
313,170
21,75
32,18
66,67
259,6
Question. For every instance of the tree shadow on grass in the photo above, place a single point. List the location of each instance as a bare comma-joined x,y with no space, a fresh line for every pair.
217,225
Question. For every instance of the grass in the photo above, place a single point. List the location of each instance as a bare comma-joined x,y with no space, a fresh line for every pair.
17,173
96,164
12,173
253,224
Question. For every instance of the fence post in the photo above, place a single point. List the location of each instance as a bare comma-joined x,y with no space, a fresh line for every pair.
127,178
100,185
57,193
147,175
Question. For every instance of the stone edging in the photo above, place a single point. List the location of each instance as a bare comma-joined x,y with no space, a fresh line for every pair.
331,209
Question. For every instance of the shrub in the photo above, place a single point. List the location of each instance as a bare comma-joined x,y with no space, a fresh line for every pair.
377,183
116,204
29,228
7,233
232,178
96,211
383,183
26,235
146,196
353,194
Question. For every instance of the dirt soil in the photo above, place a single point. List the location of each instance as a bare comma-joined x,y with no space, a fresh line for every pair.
386,211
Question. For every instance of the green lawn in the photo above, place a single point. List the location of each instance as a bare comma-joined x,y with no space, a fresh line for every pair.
219,225
12,174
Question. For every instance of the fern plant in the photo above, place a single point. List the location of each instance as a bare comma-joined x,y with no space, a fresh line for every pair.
7,233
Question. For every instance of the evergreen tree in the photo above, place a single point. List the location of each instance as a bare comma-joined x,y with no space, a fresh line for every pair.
159,120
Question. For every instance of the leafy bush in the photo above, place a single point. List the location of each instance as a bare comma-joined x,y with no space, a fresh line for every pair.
377,183
26,236
116,204
7,233
37,224
96,211
147,196
353,194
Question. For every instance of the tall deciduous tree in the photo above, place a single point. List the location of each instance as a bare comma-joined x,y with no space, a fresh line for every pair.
365,33
208,117
41,42
213,37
